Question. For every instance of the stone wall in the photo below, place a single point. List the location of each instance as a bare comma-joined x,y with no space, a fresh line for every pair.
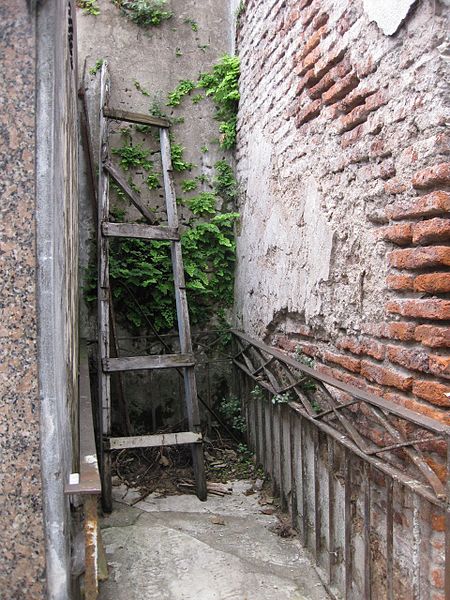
21,524
39,318
342,156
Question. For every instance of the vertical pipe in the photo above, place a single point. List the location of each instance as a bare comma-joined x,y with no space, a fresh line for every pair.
281,415
331,542
347,525
389,539
275,486
366,525
293,457
416,562
447,528
305,531
317,523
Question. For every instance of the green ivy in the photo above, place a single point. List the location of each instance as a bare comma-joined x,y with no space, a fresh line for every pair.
184,88
222,84
90,7
96,68
203,204
177,155
188,185
133,156
145,13
225,184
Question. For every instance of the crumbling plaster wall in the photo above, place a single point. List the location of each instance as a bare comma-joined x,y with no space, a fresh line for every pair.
158,58
343,162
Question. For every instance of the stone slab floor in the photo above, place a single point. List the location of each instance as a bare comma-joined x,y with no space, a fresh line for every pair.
178,548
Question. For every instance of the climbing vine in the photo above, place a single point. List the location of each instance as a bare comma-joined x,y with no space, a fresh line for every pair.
222,85
145,13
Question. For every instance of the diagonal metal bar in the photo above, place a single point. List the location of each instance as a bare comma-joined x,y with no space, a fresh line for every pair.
414,454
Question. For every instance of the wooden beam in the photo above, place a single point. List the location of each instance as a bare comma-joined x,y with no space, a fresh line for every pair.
131,117
139,363
111,169
152,441
146,232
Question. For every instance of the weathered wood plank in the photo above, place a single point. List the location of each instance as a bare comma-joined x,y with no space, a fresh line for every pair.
184,328
89,480
135,200
132,117
152,441
135,230
103,293
139,363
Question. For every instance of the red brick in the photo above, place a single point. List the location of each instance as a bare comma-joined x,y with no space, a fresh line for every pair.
440,365
433,392
433,336
366,67
438,522
308,349
284,343
292,18
309,80
310,60
320,21
364,346
330,78
308,14
341,89
437,578
400,331
435,203
303,4
426,309
400,282
436,175
385,376
432,230
394,186
352,136
418,407
397,234
416,360
351,364
359,114
328,61
312,42
309,113
433,283
356,98
419,258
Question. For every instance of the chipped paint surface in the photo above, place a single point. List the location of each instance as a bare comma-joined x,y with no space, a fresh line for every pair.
388,15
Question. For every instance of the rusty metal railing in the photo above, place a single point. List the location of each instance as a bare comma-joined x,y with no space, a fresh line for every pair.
87,484
364,478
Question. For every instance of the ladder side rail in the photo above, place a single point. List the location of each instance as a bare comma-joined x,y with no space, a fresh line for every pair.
184,330
103,293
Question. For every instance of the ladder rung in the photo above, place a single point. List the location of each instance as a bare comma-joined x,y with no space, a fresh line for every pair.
131,117
139,363
151,441
146,232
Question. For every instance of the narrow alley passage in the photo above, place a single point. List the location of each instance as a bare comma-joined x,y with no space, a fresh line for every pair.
178,548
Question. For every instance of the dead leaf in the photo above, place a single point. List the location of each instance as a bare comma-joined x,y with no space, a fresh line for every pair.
267,511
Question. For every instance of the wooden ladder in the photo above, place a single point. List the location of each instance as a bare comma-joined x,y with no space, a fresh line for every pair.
184,360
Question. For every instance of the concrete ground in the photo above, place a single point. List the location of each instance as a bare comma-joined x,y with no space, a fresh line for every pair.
178,548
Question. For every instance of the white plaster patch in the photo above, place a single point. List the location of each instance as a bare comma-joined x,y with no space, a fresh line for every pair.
317,241
388,15
90,459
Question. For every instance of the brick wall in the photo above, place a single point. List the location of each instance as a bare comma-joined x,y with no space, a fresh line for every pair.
343,247
362,116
